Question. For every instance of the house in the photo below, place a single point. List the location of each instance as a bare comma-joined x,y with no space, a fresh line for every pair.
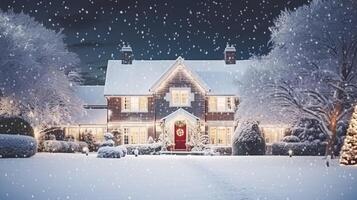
178,98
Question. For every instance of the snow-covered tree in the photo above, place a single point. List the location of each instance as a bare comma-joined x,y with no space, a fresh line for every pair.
349,148
37,72
248,139
311,69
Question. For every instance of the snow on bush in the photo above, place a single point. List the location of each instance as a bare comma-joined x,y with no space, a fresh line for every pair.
291,138
108,140
111,152
17,146
299,148
144,149
248,139
56,146
221,150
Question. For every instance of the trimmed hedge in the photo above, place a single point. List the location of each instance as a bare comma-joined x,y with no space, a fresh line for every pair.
144,149
299,148
15,126
56,146
111,152
221,150
17,146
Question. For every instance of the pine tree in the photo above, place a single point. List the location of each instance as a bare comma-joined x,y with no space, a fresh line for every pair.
349,149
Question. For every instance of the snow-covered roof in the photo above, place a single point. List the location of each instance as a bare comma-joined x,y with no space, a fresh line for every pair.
138,77
92,116
91,95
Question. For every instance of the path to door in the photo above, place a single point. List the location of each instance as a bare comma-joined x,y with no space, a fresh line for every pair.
75,176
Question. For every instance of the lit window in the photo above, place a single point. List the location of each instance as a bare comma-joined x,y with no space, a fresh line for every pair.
135,135
220,104
135,104
220,135
180,97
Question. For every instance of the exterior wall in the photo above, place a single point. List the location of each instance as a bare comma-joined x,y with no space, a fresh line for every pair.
162,107
114,106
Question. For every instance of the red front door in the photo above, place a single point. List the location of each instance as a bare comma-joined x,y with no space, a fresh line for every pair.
180,135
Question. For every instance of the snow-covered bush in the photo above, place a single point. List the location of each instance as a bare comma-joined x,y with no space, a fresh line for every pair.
90,140
56,146
291,138
111,152
221,150
299,148
15,125
308,130
17,146
144,149
248,139
108,140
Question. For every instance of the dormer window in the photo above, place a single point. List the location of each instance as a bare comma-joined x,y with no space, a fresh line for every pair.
180,97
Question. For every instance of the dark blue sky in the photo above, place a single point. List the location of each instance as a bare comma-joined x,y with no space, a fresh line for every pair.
162,29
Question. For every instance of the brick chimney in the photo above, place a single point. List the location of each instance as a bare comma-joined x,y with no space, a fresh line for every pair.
127,55
230,55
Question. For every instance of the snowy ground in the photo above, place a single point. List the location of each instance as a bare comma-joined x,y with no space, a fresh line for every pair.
75,176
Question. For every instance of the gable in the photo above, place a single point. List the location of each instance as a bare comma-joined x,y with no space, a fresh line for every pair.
178,69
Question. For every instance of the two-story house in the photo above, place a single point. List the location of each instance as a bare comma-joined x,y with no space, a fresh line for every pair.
179,97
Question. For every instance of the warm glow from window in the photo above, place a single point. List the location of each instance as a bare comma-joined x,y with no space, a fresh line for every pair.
220,104
135,135
179,97
135,104
220,135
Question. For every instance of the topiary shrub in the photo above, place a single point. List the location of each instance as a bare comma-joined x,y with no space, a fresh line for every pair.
248,139
108,140
111,152
17,146
15,126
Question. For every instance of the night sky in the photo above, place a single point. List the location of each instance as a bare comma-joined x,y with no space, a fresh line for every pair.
161,29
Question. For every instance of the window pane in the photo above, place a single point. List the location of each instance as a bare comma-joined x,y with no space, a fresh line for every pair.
184,98
143,104
221,103
212,135
134,104
212,104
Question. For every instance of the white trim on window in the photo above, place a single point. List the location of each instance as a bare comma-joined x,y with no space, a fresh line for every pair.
180,97
220,135
221,104
135,135
134,104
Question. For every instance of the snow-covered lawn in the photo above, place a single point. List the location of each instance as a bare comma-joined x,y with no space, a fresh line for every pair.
75,176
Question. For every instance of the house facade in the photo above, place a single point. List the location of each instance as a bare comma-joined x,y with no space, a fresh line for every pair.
176,99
